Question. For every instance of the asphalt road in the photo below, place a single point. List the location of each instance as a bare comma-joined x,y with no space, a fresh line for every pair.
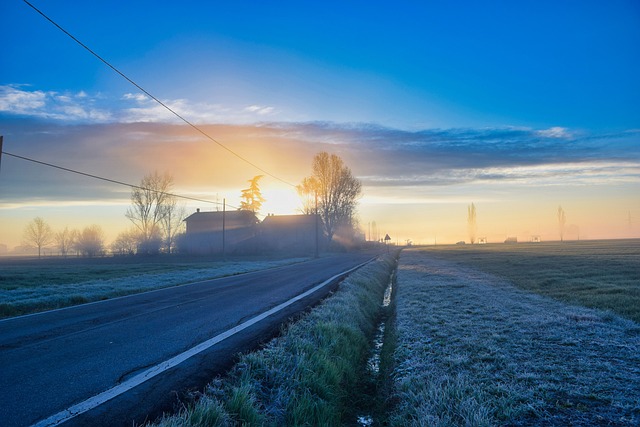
53,360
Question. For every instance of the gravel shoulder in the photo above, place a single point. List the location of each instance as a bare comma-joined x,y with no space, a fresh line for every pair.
474,350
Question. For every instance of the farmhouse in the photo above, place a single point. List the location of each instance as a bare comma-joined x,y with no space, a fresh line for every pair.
205,232
291,233
241,232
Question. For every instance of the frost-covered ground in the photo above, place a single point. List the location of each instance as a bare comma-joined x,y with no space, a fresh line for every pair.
474,350
61,295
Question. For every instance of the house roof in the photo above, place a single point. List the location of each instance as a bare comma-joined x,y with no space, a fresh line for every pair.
289,220
238,216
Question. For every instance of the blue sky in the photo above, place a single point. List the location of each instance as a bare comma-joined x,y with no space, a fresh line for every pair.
438,101
440,64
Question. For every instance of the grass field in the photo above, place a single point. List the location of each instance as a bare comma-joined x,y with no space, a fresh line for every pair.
29,285
597,274
473,350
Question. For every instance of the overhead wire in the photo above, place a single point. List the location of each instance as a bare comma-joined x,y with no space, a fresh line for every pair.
164,105
113,181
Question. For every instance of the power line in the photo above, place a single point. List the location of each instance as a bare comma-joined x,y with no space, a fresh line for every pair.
113,181
172,111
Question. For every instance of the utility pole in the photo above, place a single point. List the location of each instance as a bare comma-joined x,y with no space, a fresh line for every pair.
224,211
317,250
1,149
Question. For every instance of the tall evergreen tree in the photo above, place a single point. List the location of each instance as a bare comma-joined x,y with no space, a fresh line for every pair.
252,199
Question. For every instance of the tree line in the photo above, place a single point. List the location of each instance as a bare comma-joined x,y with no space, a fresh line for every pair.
87,242
331,192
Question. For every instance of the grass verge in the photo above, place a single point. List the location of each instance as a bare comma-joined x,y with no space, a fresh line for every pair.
29,287
473,350
305,376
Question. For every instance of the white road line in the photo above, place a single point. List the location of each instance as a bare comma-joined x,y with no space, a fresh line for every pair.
113,392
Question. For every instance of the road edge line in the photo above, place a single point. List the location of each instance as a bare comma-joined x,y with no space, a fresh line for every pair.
97,400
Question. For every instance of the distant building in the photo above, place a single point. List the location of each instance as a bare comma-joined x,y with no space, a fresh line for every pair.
244,233
511,240
535,239
291,233
482,240
204,234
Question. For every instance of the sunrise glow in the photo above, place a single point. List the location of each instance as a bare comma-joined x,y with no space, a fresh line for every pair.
430,117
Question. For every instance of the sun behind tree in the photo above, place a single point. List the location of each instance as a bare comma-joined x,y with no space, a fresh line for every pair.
337,192
252,197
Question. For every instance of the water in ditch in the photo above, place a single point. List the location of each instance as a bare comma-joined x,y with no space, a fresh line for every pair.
373,364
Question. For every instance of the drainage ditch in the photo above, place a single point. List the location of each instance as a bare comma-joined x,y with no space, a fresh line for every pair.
373,390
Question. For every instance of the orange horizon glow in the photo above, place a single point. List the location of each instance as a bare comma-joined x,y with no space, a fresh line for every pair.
598,203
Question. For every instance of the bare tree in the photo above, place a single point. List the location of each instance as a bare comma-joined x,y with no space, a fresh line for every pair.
149,206
38,234
172,223
337,191
562,219
75,242
64,240
91,241
252,197
471,222
308,195
125,243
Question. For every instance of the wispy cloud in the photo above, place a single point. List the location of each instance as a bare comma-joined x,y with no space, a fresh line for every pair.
555,132
144,135
74,107
22,100
436,157
260,110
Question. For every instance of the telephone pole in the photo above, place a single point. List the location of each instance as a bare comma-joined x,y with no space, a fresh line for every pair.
317,251
224,212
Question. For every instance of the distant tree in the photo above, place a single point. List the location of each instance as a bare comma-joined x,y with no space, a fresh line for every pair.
148,208
64,240
125,243
91,241
471,222
75,245
38,234
172,223
562,219
307,192
337,191
252,197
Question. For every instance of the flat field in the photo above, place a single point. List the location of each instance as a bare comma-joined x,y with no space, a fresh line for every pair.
29,285
473,349
598,274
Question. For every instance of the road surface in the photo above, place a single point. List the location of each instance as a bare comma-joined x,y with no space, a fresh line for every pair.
51,361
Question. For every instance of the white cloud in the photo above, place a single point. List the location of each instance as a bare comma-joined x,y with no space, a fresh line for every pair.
128,108
135,97
555,132
50,105
259,109
15,100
